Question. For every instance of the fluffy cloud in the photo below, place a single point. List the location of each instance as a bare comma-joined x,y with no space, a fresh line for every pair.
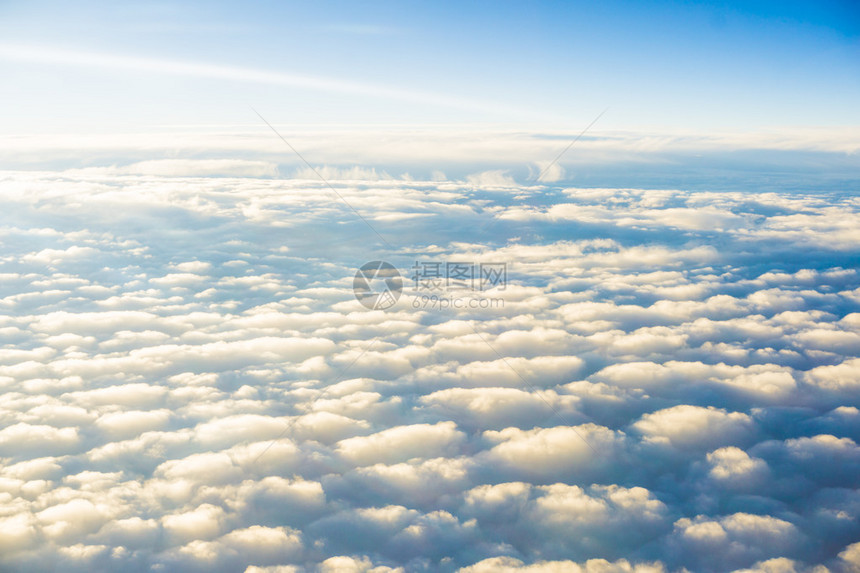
189,384
509,564
687,426
735,468
737,538
402,443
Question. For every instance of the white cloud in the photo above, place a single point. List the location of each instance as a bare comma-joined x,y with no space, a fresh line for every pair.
736,469
188,383
839,377
402,443
510,564
688,426
494,179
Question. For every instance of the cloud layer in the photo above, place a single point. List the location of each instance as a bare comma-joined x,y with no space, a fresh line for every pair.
188,383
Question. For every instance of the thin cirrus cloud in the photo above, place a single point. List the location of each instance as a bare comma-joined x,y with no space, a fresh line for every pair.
56,56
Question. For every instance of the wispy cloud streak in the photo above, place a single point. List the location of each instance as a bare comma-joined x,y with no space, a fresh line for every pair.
49,55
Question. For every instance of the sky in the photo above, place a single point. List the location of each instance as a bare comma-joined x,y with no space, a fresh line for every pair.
680,65
625,336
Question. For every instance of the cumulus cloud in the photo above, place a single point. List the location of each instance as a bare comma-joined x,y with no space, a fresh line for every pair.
693,426
402,443
189,384
496,178
738,537
735,468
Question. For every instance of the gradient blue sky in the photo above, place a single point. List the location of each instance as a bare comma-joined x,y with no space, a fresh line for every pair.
657,64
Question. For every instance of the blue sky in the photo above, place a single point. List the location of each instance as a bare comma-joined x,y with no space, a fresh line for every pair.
679,65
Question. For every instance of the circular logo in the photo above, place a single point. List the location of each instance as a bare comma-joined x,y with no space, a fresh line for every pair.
377,285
